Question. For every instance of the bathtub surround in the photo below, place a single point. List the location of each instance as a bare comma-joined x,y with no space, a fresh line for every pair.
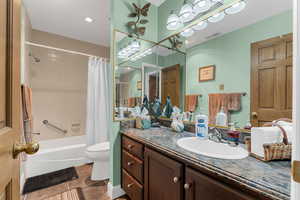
98,99
59,83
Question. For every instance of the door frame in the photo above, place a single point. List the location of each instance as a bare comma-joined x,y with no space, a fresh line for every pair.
295,189
146,78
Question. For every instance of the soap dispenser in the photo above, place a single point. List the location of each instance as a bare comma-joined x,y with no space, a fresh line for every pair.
221,118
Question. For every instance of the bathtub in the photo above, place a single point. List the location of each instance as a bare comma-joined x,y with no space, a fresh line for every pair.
57,154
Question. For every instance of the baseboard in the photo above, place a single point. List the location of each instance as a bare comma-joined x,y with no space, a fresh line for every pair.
114,191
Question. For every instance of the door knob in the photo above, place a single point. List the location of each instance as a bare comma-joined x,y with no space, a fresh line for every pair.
254,114
30,148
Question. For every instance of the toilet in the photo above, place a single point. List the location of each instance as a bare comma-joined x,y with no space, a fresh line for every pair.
99,154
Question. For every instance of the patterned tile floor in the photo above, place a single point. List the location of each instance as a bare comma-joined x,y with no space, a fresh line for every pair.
92,190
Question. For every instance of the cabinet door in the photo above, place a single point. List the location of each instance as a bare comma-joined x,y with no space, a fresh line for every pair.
201,187
163,177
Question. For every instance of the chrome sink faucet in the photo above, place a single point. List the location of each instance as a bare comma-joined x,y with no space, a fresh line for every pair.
216,136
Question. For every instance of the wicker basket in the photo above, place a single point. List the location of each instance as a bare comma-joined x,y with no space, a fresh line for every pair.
276,151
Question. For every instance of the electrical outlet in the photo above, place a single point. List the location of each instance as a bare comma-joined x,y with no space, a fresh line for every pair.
221,87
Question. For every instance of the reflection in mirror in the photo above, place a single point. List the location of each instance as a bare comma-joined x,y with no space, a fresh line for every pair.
128,82
145,69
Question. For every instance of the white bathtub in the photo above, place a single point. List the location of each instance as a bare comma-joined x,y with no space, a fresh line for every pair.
57,154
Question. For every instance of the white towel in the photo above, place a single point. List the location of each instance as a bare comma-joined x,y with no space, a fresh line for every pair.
267,135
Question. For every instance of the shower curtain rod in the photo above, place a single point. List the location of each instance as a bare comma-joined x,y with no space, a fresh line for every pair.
63,50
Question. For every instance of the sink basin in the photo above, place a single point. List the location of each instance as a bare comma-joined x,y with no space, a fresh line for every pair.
212,149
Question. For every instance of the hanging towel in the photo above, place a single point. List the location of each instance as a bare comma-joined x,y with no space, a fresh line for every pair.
27,112
131,102
191,103
234,101
216,101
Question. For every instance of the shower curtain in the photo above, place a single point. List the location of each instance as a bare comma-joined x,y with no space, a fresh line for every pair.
98,101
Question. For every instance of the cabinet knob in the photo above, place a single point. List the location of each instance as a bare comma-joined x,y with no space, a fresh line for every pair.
129,163
175,179
130,185
187,186
130,146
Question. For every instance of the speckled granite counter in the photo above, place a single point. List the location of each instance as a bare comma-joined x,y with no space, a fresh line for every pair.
272,179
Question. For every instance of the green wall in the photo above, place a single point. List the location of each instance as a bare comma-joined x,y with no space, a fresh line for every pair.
231,54
119,10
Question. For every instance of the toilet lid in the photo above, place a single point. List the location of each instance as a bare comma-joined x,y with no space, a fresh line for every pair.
99,147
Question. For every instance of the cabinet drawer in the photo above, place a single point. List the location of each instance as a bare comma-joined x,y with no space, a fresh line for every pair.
133,147
132,188
133,165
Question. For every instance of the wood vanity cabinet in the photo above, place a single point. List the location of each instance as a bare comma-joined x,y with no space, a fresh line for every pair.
163,177
201,187
150,175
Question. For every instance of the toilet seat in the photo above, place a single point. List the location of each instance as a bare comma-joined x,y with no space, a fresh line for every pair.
104,146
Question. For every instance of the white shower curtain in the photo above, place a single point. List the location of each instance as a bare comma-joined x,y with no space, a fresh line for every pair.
98,101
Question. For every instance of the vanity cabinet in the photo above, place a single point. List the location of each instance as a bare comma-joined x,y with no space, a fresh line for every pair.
201,187
148,174
163,177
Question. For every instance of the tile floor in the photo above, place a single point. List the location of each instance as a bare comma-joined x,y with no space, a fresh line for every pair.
92,190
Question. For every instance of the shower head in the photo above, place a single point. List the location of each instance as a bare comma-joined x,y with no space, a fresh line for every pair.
36,59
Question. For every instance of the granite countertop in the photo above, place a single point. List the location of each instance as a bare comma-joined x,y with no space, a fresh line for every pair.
272,178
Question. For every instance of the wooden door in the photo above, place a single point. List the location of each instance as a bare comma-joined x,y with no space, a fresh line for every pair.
163,177
9,97
201,187
153,88
271,79
171,84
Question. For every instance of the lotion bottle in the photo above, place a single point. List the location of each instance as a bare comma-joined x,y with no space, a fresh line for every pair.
221,118
201,126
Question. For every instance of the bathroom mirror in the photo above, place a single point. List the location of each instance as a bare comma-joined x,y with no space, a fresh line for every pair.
237,62
145,68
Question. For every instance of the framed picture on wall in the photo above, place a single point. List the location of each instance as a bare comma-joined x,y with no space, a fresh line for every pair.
139,85
207,73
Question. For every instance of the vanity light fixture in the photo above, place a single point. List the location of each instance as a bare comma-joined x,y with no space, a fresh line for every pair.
187,32
141,55
200,26
173,22
88,20
186,13
131,49
236,8
201,6
217,17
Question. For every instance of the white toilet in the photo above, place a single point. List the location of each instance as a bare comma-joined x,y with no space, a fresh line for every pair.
99,154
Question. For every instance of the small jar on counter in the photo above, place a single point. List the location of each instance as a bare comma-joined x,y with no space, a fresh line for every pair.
233,135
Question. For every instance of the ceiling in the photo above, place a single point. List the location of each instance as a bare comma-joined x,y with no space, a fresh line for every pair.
66,18
256,10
